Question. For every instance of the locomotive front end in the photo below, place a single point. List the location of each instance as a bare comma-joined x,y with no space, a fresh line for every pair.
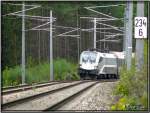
88,66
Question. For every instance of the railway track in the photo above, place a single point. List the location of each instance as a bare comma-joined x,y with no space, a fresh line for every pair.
20,103
26,87
65,100
52,99
18,88
13,87
23,95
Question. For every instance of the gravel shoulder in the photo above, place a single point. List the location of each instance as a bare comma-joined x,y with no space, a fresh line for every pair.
98,97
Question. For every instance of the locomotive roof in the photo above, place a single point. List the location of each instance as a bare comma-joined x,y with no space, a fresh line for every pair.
106,55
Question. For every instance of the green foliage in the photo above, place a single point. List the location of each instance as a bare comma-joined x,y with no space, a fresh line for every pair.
126,103
30,62
63,70
11,76
132,87
125,80
37,73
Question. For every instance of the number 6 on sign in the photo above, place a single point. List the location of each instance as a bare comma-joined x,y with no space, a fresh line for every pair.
140,27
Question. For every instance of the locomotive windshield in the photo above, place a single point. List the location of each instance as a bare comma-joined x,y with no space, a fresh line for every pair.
89,57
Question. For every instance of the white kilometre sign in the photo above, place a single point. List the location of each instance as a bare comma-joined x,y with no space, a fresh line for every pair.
140,27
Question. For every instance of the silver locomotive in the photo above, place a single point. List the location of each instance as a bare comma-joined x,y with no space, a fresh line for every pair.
94,64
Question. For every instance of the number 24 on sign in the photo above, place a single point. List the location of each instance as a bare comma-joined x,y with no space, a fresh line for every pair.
140,27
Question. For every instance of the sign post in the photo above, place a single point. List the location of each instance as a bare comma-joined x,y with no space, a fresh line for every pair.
140,34
129,35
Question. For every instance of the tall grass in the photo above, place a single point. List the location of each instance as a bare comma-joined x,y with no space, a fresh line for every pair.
63,70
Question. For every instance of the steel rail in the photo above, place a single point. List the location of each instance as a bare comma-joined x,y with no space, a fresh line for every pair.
24,85
65,100
14,89
30,98
5,92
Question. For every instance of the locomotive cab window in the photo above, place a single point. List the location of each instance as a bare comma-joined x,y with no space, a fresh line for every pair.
85,58
89,57
93,57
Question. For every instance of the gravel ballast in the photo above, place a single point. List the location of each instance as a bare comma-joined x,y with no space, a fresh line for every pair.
98,97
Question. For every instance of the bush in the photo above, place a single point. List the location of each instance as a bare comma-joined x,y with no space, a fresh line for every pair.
63,70
132,87
11,76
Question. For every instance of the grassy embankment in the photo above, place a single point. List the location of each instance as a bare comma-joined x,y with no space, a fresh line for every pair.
132,88
63,70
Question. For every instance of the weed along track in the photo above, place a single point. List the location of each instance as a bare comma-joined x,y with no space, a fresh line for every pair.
48,100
